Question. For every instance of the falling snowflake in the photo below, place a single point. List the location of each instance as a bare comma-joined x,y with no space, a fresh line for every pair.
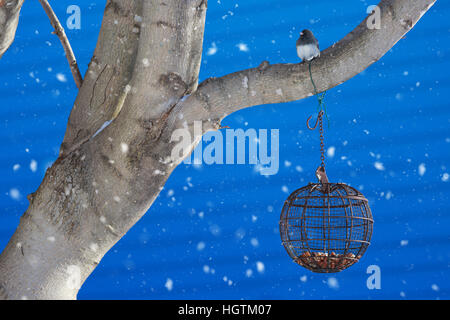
169,284
422,169
61,77
33,165
124,147
379,166
243,47
331,151
333,283
260,266
14,194
200,246
212,50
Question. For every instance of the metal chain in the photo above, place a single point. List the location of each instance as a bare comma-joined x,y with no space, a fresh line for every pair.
322,144
319,122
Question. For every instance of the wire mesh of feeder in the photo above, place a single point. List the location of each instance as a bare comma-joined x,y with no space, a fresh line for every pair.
326,227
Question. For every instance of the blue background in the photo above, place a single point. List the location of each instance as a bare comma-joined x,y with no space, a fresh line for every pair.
213,225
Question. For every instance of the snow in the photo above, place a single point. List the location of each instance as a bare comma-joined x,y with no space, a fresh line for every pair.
15,194
333,283
245,82
389,195
434,287
239,234
215,230
16,167
212,50
124,147
93,247
331,151
169,284
243,47
200,246
33,165
379,166
404,243
61,77
260,266
445,177
422,169
73,281
285,189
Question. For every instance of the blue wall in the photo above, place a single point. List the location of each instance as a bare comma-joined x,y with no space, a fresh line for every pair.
213,225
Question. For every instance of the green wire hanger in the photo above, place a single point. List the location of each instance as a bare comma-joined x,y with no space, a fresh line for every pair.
320,97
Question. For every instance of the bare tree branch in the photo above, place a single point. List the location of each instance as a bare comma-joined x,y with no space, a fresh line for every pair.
59,31
109,72
9,19
159,84
218,97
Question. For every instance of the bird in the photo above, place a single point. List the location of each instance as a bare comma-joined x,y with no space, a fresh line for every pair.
322,175
307,46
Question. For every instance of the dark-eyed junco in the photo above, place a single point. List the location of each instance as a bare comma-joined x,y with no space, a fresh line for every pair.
307,46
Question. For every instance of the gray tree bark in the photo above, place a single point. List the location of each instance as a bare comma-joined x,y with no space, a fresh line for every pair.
9,19
142,80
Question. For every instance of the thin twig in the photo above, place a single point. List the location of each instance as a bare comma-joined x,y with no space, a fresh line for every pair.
59,31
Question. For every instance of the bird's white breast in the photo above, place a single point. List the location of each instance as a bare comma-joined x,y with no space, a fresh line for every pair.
307,52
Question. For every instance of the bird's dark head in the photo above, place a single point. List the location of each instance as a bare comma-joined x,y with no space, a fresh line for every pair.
306,34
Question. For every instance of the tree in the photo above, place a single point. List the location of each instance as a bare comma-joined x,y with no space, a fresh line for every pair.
141,86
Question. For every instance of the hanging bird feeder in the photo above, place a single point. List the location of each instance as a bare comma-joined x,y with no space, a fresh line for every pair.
325,227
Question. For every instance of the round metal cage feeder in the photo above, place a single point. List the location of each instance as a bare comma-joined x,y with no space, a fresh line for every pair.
326,227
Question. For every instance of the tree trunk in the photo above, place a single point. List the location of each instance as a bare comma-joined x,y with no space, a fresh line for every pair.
141,86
